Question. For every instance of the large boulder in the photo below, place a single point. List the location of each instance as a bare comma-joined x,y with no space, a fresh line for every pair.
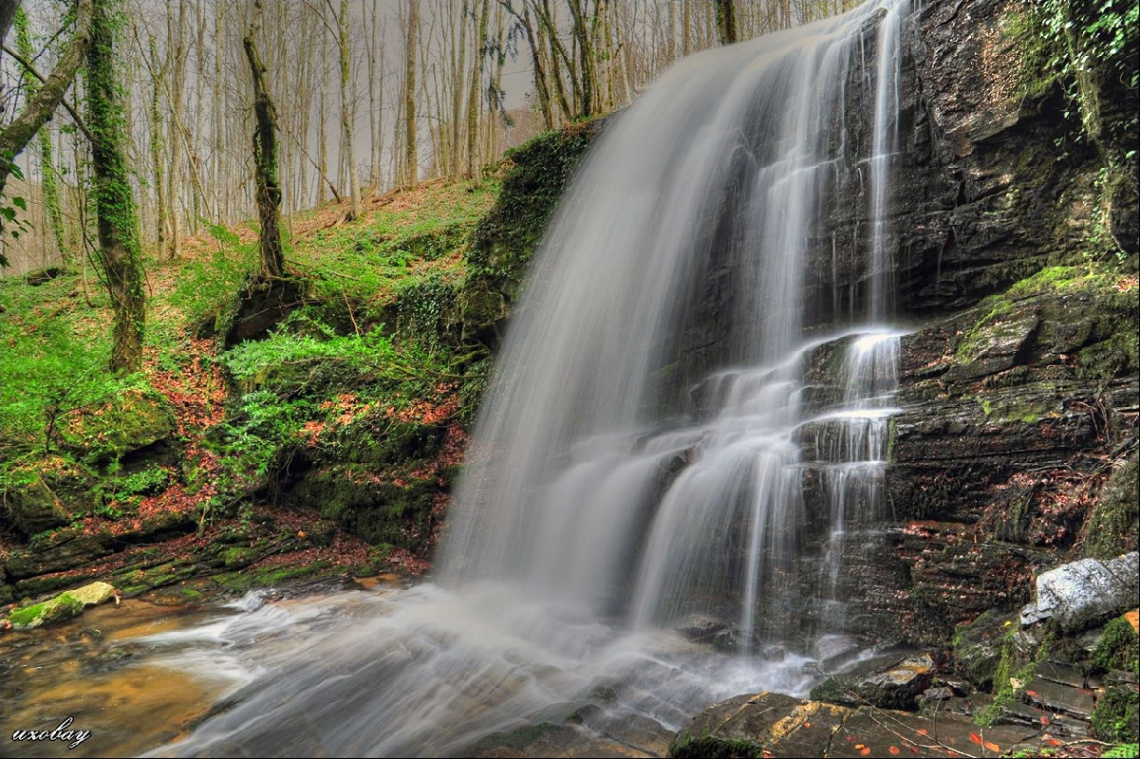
1085,592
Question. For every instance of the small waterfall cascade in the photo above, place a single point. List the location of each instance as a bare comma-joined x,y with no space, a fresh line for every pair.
678,432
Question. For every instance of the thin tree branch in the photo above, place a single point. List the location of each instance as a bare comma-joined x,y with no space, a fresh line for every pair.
17,134
28,67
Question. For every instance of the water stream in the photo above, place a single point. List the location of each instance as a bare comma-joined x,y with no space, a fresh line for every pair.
619,491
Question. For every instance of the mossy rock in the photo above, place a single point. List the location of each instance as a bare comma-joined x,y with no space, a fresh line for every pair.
983,647
44,493
1114,526
131,421
506,237
707,747
237,557
1117,715
1117,649
394,512
65,606
34,508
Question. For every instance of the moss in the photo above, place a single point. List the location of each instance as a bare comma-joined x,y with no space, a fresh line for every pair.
514,739
707,747
1116,715
263,577
1118,648
128,422
239,557
831,692
1116,356
1113,527
969,346
1051,279
58,609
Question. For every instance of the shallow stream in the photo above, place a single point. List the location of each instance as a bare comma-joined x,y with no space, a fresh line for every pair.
379,671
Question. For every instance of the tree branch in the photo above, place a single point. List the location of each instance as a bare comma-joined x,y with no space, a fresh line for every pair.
17,134
28,67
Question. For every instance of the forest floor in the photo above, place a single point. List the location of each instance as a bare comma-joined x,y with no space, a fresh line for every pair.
173,472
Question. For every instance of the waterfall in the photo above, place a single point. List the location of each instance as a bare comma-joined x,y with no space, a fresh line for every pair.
645,456
592,479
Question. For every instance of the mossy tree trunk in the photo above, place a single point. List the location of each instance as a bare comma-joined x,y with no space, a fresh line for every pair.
119,251
347,109
265,162
726,21
47,177
411,157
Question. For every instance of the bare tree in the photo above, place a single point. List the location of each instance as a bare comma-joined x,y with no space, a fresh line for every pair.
265,160
347,109
411,158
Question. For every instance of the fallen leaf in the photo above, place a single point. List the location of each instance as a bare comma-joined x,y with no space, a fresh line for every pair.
975,738
893,749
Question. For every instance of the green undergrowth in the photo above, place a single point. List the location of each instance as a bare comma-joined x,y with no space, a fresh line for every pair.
411,246
350,398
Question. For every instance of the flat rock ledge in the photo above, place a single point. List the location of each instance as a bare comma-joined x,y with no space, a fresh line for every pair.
776,725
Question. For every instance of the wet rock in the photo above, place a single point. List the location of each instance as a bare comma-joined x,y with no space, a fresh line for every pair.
996,348
712,631
1056,697
701,629
1084,592
889,681
1062,673
940,693
834,651
772,724
62,607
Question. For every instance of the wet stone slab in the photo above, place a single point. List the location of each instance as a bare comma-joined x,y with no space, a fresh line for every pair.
781,726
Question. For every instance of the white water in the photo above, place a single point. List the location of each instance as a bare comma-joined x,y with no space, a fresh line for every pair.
591,521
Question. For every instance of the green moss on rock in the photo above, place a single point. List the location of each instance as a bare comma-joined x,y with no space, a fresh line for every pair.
65,606
1117,649
1114,525
130,421
708,747
1117,715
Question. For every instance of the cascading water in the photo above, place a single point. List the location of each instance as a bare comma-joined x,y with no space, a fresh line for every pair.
619,488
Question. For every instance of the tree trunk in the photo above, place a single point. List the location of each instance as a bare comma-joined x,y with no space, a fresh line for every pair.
219,136
118,231
375,101
175,85
158,74
411,158
347,111
725,21
473,91
265,162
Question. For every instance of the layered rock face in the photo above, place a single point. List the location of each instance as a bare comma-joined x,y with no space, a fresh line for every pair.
1016,446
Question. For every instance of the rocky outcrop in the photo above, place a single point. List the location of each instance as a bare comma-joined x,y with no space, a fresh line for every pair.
1008,436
